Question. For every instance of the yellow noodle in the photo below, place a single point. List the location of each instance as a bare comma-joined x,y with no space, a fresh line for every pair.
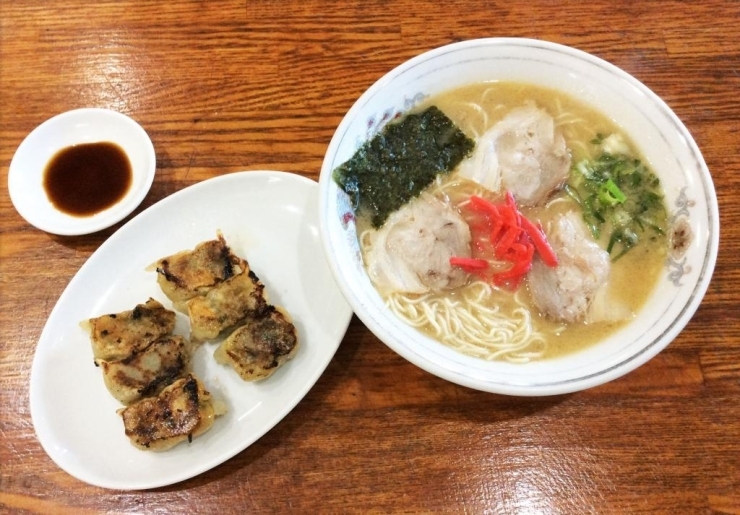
475,324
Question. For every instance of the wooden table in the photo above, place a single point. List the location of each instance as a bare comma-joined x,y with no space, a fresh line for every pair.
223,86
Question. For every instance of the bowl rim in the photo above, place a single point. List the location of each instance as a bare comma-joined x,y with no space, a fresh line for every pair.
635,359
72,127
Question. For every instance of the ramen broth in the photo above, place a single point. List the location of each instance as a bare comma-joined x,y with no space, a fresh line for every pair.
475,109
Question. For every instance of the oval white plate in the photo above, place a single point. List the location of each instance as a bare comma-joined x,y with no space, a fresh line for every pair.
87,125
664,141
269,218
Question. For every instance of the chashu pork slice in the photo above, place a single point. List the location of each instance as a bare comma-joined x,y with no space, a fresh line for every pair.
256,349
226,306
192,273
181,412
118,335
146,372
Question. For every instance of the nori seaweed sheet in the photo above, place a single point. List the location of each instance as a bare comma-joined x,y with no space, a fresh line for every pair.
401,161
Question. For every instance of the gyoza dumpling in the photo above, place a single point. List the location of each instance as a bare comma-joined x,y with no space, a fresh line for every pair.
118,335
180,412
226,306
148,371
192,273
256,349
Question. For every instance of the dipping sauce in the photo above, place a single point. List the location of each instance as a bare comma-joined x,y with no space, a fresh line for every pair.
85,179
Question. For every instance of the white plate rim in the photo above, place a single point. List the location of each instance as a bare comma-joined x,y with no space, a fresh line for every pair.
319,344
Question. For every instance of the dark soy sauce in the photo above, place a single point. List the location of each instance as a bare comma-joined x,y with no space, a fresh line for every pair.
85,179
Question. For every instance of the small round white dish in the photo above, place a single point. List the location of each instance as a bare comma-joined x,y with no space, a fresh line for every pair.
267,217
79,126
663,140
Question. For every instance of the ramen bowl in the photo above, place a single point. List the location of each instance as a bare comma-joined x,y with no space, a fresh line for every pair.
664,142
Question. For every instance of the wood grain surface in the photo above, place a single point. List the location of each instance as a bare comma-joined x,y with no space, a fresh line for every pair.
223,86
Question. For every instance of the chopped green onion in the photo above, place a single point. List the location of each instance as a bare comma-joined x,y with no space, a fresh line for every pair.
610,194
620,197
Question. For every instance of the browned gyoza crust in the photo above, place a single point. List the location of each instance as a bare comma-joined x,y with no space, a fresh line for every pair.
148,371
213,286
118,335
180,412
226,305
256,349
190,273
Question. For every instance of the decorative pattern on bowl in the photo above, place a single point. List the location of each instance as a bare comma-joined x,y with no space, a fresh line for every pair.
680,236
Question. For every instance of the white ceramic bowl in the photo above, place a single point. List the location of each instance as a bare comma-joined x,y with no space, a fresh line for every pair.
663,140
87,125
